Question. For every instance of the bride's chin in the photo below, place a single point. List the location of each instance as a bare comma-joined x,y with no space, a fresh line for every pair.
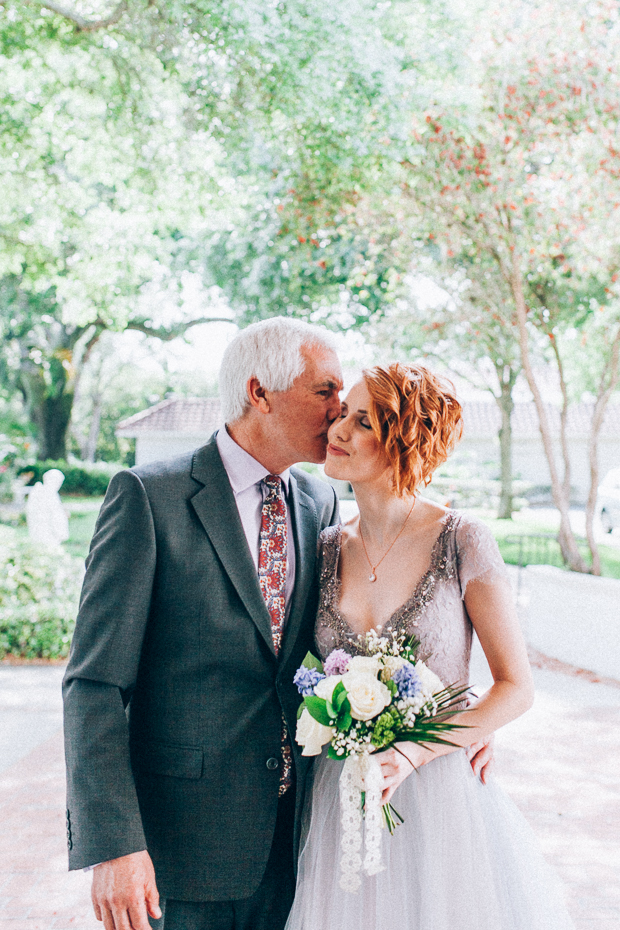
335,470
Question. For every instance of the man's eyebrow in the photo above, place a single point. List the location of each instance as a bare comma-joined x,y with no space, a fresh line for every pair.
330,384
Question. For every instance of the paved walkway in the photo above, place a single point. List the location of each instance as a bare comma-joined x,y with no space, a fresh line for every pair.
559,762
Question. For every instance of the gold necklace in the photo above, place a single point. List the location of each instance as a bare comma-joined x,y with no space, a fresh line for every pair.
373,568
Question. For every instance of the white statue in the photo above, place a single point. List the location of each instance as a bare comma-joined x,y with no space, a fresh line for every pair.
46,517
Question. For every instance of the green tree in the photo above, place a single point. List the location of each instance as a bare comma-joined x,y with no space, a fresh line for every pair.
529,181
472,331
135,141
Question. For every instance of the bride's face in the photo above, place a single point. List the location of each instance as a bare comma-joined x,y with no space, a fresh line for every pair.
353,452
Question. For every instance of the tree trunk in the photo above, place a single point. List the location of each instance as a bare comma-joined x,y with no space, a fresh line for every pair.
607,385
55,415
566,537
93,432
506,406
48,394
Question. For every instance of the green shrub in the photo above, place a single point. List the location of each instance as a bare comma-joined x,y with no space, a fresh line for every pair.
89,480
13,454
39,594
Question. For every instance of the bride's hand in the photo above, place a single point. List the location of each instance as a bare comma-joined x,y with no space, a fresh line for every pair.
398,763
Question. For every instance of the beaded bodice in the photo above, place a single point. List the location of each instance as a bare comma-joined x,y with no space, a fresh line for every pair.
435,612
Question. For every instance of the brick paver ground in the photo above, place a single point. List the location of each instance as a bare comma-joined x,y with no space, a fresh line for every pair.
36,891
560,764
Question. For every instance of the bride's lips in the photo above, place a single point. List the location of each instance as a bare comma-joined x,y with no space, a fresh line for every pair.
334,450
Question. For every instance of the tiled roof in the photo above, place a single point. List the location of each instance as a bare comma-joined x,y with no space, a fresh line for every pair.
195,415
200,416
482,419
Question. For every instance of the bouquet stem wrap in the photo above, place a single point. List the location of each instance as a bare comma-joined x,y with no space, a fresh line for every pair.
361,773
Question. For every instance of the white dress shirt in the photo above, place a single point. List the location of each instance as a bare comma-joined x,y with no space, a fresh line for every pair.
246,480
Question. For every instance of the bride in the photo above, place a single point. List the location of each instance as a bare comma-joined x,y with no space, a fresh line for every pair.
464,859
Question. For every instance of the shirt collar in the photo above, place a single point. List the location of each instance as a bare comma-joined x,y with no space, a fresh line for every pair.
242,469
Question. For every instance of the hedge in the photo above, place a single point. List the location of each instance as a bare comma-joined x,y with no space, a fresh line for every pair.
89,480
39,594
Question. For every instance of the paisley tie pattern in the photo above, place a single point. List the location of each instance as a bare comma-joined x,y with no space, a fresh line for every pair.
272,580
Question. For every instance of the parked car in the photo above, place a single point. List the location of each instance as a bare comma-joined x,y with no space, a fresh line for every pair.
609,500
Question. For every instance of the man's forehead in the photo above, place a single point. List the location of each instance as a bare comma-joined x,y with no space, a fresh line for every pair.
323,369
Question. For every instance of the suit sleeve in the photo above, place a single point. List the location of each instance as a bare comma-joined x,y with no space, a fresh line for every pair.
103,816
334,517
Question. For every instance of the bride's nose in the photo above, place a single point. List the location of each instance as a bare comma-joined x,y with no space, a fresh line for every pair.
339,430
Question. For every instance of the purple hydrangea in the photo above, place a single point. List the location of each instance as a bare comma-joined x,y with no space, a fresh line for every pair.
307,679
337,662
407,681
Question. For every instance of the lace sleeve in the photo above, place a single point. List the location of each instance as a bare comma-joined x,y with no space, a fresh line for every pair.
327,549
478,556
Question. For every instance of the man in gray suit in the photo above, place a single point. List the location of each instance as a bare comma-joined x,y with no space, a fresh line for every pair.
183,777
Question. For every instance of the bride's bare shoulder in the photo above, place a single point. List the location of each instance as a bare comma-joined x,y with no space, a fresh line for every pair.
430,513
350,529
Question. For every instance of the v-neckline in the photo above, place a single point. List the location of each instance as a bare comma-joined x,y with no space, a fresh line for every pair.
448,522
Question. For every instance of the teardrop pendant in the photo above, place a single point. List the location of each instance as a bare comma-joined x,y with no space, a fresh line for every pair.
372,577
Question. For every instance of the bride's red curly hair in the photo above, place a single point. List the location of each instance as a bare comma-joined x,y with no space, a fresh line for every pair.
417,419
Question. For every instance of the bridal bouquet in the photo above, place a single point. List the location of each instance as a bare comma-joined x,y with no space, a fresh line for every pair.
361,704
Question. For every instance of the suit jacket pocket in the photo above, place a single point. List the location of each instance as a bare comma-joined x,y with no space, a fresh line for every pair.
167,759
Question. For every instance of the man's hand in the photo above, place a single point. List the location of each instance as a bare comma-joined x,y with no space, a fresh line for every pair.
124,891
480,756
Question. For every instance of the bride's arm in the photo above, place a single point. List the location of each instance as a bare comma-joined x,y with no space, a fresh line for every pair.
490,606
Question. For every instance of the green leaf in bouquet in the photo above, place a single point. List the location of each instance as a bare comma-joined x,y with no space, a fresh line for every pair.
332,712
411,646
339,695
312,662
317,708
332,754
429,730
392,687
345,720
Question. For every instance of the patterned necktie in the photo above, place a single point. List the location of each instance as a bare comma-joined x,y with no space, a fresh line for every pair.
272,580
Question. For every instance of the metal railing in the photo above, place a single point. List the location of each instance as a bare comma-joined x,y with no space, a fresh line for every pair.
536,549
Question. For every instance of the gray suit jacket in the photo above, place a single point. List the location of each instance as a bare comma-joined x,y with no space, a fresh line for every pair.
173,693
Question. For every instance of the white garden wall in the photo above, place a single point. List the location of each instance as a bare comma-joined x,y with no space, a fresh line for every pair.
573,617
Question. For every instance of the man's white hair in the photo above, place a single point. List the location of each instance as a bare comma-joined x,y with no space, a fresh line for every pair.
270,351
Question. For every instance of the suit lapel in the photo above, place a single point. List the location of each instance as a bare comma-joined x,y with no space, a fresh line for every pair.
216,509
305,530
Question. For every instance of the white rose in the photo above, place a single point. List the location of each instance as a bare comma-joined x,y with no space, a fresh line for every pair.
311,734
325,687
431,683
391,664
368,664
367,695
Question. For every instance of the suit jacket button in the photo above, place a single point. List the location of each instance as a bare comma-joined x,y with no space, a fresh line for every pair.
273,764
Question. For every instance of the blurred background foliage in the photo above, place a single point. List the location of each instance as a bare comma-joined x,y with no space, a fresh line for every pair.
166,163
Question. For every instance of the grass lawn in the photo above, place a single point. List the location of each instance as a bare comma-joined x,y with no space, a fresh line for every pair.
81,529
544,550
83,513
531,523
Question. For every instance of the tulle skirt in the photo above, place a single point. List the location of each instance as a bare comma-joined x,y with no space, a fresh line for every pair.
465,859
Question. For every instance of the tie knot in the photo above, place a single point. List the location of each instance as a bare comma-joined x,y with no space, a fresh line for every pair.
273,482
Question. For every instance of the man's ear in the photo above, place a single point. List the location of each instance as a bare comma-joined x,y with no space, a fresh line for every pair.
257,395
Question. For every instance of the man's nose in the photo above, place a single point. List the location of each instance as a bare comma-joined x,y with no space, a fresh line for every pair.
333,411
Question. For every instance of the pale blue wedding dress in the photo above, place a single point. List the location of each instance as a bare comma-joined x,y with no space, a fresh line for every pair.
465,858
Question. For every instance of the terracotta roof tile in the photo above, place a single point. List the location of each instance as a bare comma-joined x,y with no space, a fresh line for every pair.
195,415
482,419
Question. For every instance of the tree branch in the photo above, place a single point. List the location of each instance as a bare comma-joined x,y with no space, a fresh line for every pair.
167,334
81,24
